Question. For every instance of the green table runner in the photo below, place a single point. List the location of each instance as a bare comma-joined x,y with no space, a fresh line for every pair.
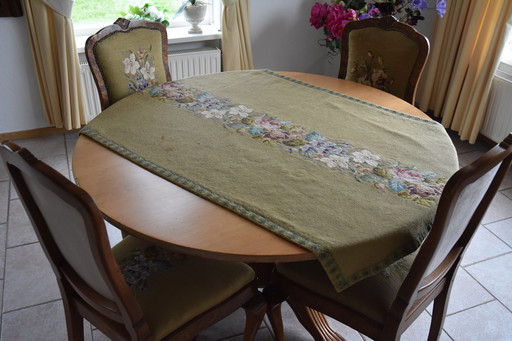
355,183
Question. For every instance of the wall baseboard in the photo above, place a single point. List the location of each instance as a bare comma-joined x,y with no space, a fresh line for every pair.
27,134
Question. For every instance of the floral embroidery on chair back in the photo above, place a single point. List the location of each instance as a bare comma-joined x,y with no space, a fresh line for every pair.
381,59
130,61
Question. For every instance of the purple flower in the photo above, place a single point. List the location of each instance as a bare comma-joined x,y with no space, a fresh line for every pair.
370,13
419,4
441,7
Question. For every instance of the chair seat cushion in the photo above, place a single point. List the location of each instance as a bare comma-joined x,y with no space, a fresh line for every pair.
174,288
372,296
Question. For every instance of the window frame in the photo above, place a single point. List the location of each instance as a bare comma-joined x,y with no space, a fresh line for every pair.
176,27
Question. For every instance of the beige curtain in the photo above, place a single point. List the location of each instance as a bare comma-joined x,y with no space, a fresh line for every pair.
466,46
56,61
236,40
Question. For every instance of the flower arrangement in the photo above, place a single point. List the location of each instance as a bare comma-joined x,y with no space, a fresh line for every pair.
333,18
147,12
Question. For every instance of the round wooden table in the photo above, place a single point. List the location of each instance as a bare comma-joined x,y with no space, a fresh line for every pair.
131,198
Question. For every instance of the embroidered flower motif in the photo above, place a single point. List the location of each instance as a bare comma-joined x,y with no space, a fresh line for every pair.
139,69
384,174
371,71
336,161
366,156
131,65
140,264
148,71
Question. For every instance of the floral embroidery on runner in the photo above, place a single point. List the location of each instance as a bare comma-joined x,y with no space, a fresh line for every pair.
422,187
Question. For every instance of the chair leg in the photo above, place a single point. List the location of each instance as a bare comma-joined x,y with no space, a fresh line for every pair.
438,315
254,314
74,323
314,322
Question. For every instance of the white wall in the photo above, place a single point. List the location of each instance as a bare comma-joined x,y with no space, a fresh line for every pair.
282,38
20,102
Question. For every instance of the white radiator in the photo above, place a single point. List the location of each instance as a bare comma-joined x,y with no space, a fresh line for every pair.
498,119
188,63
182,64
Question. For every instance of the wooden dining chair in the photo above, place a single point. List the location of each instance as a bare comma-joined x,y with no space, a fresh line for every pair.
383,53
383,306
127,56
137,290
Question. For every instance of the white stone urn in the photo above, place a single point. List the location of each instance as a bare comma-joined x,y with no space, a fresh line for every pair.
195,14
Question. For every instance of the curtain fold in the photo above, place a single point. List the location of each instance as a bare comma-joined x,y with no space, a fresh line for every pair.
56,62
236,40
466,47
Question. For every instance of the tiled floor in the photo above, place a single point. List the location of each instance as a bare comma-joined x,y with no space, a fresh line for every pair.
480,306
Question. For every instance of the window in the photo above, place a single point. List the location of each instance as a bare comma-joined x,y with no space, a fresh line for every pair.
91,15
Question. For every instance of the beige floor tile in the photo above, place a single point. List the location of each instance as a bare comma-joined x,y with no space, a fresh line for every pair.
45,146
114,234
1,300
4,176
29,279
466,293
490,321
230,326
3,241
19,229
492,274
466,158
59,163
502,229
4,201
500,209
484,245
507,182
507,193
41,322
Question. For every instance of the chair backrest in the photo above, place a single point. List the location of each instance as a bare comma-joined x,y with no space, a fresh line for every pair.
127,56
463,203
72,233
385,54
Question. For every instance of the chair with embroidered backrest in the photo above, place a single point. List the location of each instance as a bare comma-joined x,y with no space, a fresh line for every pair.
135,291
385,54
127,56
384,306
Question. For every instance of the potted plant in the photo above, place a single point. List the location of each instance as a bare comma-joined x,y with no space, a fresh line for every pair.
194,12
148,12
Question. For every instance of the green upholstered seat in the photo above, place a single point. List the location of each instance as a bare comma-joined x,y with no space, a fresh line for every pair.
372,296
136,291
174,288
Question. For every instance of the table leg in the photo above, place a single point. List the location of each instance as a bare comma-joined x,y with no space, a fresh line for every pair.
314,322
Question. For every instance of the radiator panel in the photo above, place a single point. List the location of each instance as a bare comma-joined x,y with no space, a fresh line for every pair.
182,64
498,119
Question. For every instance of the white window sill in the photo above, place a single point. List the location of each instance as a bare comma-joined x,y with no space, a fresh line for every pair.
175,35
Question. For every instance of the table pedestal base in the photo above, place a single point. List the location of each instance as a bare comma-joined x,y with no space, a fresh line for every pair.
314,322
